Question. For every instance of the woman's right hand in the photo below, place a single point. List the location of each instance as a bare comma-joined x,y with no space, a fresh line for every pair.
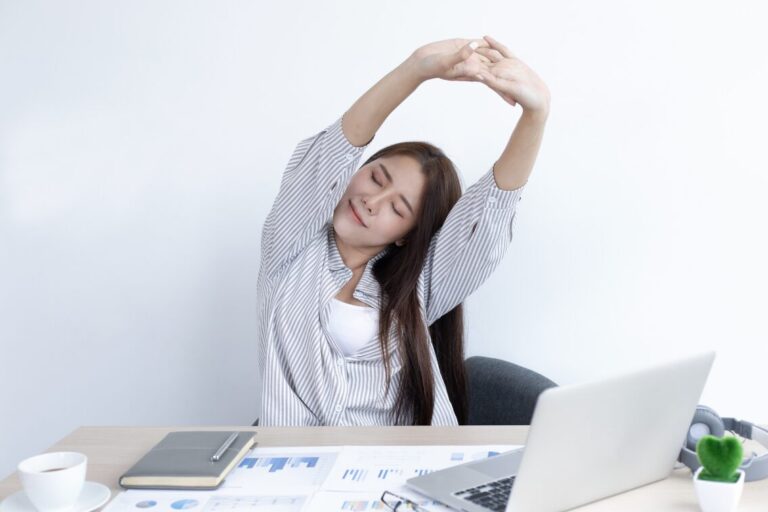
450,59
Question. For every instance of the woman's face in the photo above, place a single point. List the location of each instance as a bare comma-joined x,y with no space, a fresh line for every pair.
386,195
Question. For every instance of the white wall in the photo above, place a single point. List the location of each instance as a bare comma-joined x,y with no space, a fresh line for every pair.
141,146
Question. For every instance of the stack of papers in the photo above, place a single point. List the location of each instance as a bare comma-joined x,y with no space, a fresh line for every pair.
322,478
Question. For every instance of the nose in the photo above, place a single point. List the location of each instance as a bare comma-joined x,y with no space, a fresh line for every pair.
372,202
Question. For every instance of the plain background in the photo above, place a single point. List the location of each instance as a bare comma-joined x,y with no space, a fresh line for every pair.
142,144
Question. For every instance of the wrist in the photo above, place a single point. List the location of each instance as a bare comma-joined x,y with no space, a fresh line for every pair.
539,115
410,69
541,112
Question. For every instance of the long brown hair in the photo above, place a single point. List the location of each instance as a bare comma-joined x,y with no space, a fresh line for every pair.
397,273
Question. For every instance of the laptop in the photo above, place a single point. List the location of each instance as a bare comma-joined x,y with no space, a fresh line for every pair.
587,441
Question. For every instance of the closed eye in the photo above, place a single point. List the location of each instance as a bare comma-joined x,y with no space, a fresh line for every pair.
379,184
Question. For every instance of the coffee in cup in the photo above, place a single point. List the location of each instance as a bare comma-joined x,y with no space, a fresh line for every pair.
53,481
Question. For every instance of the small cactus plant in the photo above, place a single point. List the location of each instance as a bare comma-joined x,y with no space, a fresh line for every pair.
721,457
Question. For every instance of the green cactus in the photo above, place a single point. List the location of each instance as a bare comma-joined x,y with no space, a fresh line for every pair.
720,456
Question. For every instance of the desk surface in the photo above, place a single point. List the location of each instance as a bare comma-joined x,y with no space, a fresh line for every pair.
112,450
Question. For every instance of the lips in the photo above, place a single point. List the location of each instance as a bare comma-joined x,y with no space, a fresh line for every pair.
355,215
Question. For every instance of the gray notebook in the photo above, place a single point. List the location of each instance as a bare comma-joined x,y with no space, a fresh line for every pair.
183,460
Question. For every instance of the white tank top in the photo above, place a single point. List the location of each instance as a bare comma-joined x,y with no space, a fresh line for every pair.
351,326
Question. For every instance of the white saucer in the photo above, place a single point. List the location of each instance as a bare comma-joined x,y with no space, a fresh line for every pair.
91,497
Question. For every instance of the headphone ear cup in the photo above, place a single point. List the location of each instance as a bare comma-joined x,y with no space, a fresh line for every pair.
705,421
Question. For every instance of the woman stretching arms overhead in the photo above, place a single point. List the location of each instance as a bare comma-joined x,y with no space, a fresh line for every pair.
363,270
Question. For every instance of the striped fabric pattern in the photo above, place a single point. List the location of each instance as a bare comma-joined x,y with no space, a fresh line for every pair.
305,379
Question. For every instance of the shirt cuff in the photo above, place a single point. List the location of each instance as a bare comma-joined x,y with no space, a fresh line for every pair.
339,142
499,198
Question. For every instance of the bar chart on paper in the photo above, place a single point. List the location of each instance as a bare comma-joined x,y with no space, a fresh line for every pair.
466,457
285,469
382,474
368,468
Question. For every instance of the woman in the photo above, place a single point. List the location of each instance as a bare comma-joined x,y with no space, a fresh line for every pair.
363,273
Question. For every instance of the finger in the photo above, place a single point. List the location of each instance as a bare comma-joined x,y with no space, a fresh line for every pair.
476,57
465,77
464,53
506,73
488,78
484,60
506,97
491,54
496,87
481,43
467,69
509,99
500,47
506,88
471,68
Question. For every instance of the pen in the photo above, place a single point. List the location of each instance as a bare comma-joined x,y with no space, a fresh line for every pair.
223,447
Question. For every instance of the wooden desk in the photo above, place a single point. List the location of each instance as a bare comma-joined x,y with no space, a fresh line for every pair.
112,450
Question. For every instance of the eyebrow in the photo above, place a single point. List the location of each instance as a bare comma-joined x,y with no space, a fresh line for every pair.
389,177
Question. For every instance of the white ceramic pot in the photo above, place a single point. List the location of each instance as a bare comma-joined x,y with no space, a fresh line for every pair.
718,496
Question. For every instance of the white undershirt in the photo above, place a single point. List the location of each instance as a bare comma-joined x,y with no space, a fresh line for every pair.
351,326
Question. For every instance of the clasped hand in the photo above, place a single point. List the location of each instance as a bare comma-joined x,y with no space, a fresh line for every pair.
484,60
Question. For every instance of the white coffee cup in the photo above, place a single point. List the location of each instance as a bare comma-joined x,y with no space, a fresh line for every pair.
53,481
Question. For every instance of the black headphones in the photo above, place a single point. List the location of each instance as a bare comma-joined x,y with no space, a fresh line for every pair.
706,421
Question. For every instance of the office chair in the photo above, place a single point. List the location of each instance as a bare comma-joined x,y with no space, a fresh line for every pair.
500,392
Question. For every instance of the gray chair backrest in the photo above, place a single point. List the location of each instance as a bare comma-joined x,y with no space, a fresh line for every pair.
502,393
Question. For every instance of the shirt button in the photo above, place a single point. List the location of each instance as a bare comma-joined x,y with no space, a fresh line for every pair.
340,362
491,199
349,157
337,408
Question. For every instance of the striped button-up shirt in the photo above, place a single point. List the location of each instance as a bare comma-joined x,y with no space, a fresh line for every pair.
305,379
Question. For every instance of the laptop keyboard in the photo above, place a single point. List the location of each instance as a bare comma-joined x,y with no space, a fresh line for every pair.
492,495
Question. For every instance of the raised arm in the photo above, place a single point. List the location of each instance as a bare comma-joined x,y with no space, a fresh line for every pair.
516,83
450,59
320,166
480,226
367,114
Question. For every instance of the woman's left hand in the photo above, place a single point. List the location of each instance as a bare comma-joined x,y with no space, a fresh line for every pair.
450,59
512,79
